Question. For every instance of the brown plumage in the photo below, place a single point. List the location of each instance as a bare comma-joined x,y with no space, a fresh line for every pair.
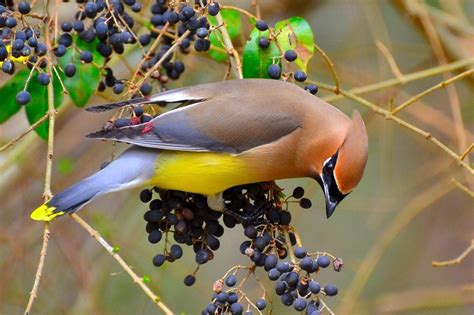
227,134
277,129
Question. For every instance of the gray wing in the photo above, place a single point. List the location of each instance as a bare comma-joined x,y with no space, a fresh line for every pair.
225,122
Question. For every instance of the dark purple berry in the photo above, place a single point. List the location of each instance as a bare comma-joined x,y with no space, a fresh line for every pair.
189,280
159,260
24,7
324,261
23,97
305,203
274,71
330,289
263,42
43,78
213,8
70,70
290,55
261,25
86,56
300,76
231,280
311,88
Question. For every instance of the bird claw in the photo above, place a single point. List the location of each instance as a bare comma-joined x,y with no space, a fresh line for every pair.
249,218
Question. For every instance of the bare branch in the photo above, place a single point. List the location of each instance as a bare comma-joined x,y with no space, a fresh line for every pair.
414,76
391,60
463,187
331,67
139,281
456,260
431,89
24,133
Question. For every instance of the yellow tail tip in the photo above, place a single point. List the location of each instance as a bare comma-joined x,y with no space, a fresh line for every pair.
45,213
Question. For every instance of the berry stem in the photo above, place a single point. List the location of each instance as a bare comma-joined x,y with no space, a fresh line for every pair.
150,51
162,59
233,54
290,248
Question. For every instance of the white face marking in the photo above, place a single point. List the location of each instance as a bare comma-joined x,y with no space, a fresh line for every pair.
334,175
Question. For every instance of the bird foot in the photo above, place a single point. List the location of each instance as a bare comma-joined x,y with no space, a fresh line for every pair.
247,218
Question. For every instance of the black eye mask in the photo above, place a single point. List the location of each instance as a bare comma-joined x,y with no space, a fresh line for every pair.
333,195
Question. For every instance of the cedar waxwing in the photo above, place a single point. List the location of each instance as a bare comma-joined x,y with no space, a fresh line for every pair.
229,133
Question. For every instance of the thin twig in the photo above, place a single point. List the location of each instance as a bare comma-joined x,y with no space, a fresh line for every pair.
463,187
244,12
150,51
454,102
414,76
136,279
331,67
456,260
24,133
469,149
47,179
39,270
431,89
391,60
163,58
233,54
258,11
385,113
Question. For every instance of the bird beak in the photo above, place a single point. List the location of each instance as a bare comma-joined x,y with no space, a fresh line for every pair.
331,201
332,195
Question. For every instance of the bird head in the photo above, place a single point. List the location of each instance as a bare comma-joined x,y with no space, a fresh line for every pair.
343,170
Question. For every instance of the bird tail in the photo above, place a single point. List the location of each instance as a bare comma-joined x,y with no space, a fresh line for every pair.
133,168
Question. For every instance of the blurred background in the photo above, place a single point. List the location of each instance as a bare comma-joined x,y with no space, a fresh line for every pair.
405,213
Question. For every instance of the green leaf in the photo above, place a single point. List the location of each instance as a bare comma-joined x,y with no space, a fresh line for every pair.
9,106
295,33
84,83
233,24
256,60
38,106
65,166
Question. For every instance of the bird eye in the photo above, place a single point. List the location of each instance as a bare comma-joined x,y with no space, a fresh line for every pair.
328,168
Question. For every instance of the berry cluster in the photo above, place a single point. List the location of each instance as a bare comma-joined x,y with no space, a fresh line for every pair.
188,219
108,27
19,42
273,244
274,70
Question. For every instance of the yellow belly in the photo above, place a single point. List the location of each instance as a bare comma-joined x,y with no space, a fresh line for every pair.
201,172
